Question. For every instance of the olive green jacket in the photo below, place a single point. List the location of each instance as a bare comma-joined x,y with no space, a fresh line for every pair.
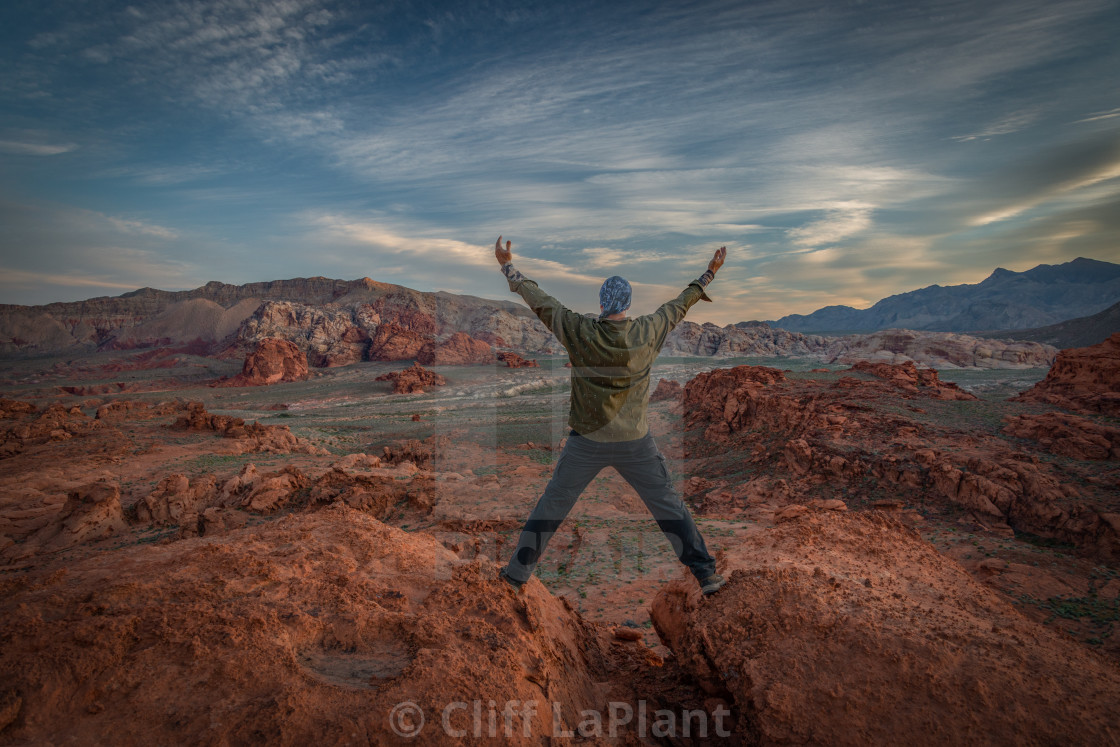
611,359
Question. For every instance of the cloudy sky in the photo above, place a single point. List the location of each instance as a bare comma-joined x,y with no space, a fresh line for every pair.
843,150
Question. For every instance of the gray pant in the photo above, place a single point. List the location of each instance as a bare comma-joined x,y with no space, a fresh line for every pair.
643,466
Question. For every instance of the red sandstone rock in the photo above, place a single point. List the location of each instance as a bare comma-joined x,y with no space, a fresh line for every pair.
272,362
401,335
412,380
458,350
513,360
92,512
177,500
666,389
304,630
259,492
56,423
813,433
271,439
1082,379
10,408
911,379
1067,435
849,629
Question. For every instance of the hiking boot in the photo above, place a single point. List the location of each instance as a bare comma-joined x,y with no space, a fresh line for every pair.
510,580
712,584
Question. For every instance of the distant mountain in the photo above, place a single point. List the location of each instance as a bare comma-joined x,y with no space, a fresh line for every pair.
333,320
1006,300
1074,333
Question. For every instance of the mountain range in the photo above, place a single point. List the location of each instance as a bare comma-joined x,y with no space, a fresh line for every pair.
339,322
1072,333
1005,300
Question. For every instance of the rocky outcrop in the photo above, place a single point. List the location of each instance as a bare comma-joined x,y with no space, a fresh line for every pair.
799,436
176,500
252,490
401,336
1067,435
1083,380
913,381
274,361
413,380
744,338
127,409
458,350
849,629
31,428
92,512
252,437
513,360
329,336
938,350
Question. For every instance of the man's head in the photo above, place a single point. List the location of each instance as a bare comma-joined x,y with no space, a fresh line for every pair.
614,296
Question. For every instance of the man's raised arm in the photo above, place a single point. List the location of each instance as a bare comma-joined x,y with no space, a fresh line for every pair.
560,321
672,312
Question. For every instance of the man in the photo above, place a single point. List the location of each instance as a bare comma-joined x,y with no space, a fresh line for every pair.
611,358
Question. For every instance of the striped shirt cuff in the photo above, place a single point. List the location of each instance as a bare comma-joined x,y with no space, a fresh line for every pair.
704,279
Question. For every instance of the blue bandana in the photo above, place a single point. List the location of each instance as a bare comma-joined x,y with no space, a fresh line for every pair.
614,296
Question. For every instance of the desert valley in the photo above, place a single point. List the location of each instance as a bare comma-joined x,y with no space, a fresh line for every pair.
275,513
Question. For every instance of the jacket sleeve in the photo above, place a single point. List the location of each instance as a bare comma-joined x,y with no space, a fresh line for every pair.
560,320
670,313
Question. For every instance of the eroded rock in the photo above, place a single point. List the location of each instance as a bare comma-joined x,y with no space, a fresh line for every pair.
1083,380
849,629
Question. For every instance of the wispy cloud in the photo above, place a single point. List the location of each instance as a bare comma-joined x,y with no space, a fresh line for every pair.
841,150
35,149
841,222
140,227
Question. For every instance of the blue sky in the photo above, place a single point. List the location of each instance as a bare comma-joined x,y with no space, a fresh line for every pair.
843,151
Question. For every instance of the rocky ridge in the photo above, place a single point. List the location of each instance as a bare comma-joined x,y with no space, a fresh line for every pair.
337,323
1005,300
938,350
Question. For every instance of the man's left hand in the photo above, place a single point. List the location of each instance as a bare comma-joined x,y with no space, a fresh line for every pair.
504,256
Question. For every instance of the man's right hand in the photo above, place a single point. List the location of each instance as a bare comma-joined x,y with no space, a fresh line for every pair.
717,259
504,256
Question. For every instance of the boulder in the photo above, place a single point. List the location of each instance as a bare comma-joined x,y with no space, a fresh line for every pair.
412,380
513,360
272,362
